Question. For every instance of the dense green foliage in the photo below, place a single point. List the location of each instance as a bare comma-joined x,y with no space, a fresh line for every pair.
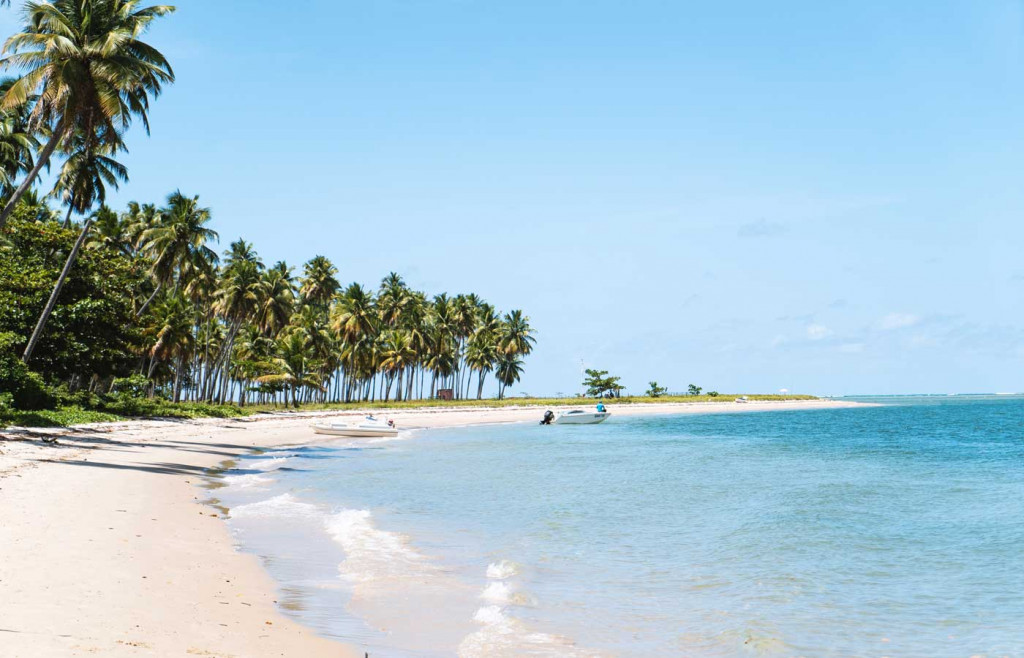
92,330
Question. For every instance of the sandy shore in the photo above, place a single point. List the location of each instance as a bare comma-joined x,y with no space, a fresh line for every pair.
106,546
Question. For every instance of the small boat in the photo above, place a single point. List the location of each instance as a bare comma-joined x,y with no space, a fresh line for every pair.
579,417
742,399
369,427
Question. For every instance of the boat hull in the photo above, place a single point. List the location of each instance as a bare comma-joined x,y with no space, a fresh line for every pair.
582,419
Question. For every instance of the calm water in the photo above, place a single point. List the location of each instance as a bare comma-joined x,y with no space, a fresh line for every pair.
894,530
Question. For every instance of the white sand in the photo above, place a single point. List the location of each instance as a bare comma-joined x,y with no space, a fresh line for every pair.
106,548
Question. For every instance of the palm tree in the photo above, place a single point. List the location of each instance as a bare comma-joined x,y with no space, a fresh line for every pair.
319,283
516,334
17,141
177,241
89,70
510,369
296,365
481,355
87,173
279,299
171,330
397,355
109,232
237,299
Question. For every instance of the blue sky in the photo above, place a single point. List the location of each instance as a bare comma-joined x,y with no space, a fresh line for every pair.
818,196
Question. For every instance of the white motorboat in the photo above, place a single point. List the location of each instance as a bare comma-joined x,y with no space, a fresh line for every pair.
369,427
742,400
579,417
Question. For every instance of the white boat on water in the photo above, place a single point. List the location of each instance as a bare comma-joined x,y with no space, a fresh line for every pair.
369,427
579,417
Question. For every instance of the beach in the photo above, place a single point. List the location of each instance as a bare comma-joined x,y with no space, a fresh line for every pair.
109,543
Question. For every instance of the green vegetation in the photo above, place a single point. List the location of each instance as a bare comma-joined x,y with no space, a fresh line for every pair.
600,385
656,391
135,313
693,389
106,315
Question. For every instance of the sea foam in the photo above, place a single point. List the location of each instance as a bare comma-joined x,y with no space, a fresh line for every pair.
371,553
283,506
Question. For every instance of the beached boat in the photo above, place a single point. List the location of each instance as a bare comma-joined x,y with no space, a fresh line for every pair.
578,417
370,427
742,399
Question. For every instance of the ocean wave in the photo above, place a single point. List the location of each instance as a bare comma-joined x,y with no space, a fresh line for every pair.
503,635
283,506
247,481
370,553
502,570
271,464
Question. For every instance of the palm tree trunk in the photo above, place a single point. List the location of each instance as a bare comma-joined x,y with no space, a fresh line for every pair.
142,310
38,332
177,378
67,217
44,157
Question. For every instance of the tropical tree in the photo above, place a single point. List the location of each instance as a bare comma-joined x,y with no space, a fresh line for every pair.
516,334
599,384
295,364
178,240
656,391
278,302
397,354
170,329
481,355
318,282
509,371
18,142
91,74
86,173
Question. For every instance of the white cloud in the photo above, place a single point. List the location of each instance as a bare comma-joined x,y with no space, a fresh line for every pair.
818,331
898,321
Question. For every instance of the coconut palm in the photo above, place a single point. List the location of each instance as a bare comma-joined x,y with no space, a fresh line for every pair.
238,297
509,371
318,282
89,70
18,142
87,173
516,334
296,365
109,232
481,355
397,356
177,241
278,301
170,330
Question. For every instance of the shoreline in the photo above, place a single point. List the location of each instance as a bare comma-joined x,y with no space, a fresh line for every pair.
122,555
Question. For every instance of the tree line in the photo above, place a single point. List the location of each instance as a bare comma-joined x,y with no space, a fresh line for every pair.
89,295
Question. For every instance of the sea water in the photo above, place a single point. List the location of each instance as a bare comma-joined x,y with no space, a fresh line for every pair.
891,530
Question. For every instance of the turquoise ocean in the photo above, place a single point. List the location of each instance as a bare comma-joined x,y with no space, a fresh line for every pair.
889,530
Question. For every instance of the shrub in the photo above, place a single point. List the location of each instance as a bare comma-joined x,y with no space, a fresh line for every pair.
25,388
135,386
